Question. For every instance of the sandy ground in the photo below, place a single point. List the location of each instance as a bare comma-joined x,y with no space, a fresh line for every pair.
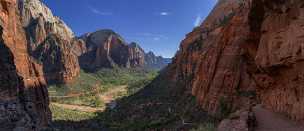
270,121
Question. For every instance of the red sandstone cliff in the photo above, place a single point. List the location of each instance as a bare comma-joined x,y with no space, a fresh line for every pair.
24,97
256,52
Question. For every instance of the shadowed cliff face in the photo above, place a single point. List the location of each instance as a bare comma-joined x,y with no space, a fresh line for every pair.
50,41
59,63
24,98
256,52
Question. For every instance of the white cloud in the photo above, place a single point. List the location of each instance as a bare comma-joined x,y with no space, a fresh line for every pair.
98,12
197,21
164,13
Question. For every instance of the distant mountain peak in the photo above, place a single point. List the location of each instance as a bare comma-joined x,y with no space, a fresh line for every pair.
106,48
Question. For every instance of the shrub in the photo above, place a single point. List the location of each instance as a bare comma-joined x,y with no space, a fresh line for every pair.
225,108
205,127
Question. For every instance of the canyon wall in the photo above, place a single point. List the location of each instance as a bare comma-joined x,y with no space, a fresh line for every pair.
24,97
278,55
255,52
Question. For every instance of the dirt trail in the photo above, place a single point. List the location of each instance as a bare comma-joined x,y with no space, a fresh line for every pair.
270,121
106,97
79,108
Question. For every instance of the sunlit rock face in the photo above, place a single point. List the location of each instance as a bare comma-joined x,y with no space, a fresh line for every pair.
36,12
50,41
24,97
255,52
209,62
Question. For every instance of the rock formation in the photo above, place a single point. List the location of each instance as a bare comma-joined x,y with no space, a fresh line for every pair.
221,13
47,34
107,49
278,55
24,97
255,52
59,63
136,55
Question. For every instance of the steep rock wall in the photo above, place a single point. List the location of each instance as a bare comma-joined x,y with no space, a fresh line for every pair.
24,98
279,57
257,53
136,55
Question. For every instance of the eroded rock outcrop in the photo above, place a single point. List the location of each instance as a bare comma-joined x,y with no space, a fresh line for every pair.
24,97
47,34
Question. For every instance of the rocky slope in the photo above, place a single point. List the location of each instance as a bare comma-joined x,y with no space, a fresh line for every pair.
47,34
24,97
107,49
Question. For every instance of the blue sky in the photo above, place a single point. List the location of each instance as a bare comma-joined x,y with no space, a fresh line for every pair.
156,25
